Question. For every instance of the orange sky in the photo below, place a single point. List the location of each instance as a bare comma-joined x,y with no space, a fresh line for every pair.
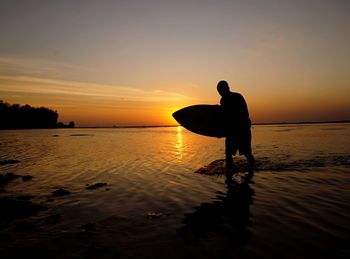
132,63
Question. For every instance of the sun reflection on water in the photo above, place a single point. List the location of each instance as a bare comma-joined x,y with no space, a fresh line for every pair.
179,143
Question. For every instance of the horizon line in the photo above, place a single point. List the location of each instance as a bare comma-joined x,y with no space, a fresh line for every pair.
176,125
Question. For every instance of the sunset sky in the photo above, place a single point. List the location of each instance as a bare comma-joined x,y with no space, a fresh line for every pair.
134,62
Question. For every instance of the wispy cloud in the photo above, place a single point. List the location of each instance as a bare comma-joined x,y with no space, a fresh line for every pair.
37,85
30,66
45,77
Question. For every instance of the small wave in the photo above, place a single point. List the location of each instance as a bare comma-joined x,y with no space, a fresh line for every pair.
9,162
337,128
303,164
81,135
218,167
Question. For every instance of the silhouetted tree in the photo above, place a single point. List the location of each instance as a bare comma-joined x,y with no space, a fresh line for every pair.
16,116
71,124
61,125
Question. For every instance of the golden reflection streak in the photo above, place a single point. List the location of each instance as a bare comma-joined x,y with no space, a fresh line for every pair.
179,143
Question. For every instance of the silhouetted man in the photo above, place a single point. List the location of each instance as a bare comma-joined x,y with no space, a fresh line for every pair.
238,124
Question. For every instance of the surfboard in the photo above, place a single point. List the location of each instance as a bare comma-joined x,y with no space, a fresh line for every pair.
202,119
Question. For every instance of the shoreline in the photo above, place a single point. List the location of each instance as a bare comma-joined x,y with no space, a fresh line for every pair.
170,126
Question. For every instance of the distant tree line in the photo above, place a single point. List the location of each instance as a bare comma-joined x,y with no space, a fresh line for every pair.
15,116
69,125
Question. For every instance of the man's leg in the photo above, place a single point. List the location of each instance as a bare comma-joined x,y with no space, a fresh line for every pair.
248,154
251,162
229,151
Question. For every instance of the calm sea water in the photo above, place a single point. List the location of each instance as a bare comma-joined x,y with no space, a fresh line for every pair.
296,205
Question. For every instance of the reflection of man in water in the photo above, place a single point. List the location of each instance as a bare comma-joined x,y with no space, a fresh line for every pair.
228,216
238,126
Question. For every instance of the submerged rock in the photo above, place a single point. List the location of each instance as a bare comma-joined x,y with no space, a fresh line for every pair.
11,176
9,162
13,208
25,197
155,215
217,167
53,219
27,177
60,192
6,178
95,186
89,227
24,226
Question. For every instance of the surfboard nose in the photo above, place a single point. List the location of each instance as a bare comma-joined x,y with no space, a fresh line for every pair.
178,116
201,119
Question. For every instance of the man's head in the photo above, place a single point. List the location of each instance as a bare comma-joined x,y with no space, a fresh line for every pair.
223,88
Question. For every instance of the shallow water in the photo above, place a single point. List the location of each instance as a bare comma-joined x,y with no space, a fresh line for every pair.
297,204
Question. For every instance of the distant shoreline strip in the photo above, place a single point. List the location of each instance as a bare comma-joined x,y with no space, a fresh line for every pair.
259,123
169,126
